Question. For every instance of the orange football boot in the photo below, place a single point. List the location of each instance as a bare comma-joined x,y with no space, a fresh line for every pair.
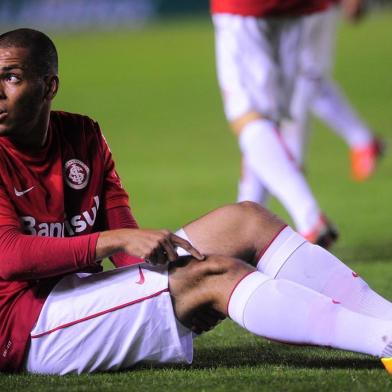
324,233
387,362
364,159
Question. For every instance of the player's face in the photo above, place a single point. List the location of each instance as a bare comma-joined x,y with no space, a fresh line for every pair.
22,94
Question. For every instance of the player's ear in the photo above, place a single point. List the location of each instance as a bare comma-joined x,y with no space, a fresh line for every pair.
52,86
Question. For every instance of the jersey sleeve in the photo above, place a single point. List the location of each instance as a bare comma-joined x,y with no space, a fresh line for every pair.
121,218
31,257
8,215
114,193
118,214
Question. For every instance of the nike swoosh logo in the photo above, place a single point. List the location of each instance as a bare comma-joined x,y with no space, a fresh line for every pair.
141,276
21,193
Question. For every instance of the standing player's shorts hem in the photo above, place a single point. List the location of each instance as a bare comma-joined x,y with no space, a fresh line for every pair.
256,61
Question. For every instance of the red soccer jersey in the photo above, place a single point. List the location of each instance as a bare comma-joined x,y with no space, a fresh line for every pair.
266,8
64,189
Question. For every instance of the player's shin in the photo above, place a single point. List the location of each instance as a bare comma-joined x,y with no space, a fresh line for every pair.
290,257
285,311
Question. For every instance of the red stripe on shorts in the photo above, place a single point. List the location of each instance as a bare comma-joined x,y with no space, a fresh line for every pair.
98,314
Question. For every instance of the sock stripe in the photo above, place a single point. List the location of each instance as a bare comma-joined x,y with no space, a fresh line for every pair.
241,293
262,252
232,291
279,250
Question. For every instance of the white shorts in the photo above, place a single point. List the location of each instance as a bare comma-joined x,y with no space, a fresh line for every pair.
108,321
318,43
257,61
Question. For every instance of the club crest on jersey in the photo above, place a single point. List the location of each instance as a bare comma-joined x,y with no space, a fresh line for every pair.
77,174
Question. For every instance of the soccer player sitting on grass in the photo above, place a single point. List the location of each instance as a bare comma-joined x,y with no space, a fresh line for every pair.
62,210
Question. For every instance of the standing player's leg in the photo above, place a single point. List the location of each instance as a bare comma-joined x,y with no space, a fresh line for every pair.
314,58
330,105
250,188
249,232
316,91
248,88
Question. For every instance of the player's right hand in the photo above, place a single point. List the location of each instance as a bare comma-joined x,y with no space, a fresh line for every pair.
156,246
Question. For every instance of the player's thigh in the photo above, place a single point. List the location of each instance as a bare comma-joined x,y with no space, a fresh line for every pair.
246,66
108,321
195,284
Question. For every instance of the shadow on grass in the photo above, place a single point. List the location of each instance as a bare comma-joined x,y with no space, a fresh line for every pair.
284,356
278,355
366,252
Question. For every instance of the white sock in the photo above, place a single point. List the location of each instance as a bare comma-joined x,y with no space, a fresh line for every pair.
296,131
285,311
265,154
296,135
332,107
290,257
249,186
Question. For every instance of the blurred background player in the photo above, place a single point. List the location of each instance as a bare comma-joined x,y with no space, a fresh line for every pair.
317,92
256,53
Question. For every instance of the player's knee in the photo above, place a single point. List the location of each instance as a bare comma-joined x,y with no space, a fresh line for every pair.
251,208
222,266
205,279
256,217
195,284
220,278
195,272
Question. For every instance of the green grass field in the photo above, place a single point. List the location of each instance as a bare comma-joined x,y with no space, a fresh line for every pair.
155,95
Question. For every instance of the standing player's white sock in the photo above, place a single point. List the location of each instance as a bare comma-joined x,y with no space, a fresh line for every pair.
265,154
250,187
285,311
296,131
332,107
290,257
296,135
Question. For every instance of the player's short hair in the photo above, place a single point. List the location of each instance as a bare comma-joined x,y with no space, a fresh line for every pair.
43,54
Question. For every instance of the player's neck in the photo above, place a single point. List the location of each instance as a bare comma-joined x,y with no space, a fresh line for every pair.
35,135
